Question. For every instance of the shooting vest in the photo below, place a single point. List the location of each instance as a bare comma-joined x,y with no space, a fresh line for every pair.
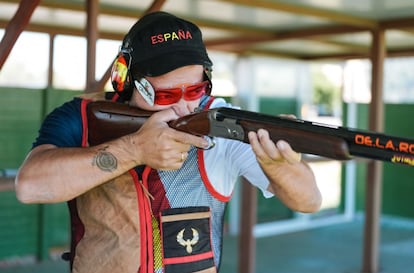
148,221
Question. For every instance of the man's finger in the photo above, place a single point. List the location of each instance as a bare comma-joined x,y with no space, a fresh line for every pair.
268,145
190,139
165,115
288,153
255,144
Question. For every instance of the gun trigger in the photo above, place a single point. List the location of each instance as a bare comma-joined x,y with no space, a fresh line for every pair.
211,142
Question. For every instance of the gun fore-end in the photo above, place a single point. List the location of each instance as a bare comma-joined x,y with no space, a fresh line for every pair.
303,141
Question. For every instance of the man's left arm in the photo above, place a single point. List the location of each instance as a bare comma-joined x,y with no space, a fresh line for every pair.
291,178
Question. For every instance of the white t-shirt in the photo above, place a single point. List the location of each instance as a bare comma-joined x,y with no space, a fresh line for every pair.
230,159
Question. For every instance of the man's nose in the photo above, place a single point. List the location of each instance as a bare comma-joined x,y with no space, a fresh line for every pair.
182,107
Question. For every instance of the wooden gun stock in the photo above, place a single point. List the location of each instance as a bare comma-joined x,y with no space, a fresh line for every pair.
109,120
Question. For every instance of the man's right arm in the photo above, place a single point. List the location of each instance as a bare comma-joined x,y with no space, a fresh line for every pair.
52,174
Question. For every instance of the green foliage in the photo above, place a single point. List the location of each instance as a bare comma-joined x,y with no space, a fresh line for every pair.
326,95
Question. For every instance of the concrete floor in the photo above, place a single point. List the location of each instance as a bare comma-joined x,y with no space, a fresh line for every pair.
332,249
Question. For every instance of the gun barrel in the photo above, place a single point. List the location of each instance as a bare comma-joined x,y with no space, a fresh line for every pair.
323,139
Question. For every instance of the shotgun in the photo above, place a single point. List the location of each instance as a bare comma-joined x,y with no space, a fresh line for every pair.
110,120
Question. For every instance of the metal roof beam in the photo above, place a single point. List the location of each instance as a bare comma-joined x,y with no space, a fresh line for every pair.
15,26
325,14
278,36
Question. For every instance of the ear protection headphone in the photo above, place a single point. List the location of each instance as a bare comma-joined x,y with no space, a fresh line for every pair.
120,75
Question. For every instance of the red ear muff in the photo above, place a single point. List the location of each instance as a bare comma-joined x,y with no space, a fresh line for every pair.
120,77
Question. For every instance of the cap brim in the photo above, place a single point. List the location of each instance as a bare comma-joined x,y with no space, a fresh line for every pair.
170,61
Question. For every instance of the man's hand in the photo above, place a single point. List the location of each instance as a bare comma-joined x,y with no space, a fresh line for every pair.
290,178
160,146
268,152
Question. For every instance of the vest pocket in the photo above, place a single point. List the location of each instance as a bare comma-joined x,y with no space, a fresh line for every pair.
186,240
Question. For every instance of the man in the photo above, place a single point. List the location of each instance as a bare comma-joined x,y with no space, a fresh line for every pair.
154,200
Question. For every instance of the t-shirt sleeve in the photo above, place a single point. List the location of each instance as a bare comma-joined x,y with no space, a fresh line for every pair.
63,126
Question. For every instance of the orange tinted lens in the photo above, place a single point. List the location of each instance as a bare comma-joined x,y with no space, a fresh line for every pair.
196,91
165,97
173,95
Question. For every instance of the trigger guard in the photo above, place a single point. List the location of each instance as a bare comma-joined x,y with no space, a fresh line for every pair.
211,142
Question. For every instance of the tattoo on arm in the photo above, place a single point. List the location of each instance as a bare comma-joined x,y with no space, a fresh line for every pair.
105,160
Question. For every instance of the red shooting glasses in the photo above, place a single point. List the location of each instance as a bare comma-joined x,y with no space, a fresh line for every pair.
173,95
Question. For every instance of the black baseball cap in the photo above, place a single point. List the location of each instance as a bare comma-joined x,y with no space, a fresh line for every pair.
160,42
